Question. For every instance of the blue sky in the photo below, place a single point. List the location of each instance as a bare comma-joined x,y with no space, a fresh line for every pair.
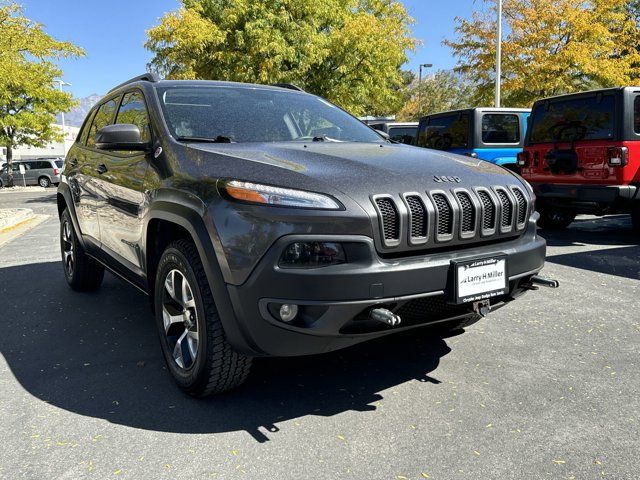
113,33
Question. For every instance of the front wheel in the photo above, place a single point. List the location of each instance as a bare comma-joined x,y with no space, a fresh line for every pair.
192,338
555,219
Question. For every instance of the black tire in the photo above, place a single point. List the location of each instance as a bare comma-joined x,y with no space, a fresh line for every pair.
635,219
217,367
82,273
555,219
44,182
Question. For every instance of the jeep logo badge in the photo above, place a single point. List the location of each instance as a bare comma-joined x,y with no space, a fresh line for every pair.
445,179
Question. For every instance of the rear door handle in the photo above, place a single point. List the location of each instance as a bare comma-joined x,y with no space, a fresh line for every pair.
102,168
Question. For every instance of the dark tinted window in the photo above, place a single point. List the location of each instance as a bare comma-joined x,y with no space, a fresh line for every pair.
636,115
257,115
103,117
84,133
590,118
59,163
133,110
403,134
443,133
500,128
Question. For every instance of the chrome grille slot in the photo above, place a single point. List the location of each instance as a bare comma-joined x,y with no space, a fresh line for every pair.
488,212
507,209
444,213
390,219
418,220
522,206
468,213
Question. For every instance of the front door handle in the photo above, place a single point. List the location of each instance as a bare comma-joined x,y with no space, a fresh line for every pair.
102,168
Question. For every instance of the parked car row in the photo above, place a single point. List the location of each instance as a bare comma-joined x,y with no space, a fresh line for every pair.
41,171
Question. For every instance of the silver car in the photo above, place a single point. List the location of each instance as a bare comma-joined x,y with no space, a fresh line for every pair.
41,171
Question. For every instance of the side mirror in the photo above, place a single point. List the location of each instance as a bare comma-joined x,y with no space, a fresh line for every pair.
121,136
384,135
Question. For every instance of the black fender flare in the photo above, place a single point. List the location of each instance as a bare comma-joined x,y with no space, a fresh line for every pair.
194,223
65,191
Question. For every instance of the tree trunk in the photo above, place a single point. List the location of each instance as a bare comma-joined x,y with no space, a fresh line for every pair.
9,166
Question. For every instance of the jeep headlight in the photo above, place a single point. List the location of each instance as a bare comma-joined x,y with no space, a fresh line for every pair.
278,196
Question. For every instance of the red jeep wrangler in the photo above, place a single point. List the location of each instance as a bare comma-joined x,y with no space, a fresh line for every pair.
582,155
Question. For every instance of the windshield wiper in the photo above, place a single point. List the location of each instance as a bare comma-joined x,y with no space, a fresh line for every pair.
218,139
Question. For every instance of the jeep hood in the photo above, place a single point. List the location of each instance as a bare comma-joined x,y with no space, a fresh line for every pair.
355,169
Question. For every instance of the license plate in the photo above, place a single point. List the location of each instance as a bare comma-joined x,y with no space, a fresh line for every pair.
480,279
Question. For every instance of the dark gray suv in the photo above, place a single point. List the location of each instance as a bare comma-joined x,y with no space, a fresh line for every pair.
263,221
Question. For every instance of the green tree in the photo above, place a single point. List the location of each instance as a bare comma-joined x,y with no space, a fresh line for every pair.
29,97
551,47
349,51
445,90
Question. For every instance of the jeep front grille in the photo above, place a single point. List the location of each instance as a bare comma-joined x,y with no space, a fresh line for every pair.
390,219
444,214
460,215
418,218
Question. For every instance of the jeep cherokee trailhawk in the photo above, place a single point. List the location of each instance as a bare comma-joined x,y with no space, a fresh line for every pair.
263,220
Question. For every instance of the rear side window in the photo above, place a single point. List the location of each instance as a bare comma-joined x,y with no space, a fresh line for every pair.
104,116
590,118
133,110
403,134
636,115
500,128
42,164
442,133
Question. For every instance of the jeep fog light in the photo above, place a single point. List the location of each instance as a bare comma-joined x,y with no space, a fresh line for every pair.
288,312
312,255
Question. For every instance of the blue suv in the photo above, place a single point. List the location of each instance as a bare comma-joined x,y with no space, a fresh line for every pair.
492,134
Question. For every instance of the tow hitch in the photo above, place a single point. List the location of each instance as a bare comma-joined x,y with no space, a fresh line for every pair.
385,316
482,308
536,281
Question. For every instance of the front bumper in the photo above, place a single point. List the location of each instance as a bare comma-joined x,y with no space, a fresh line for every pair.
587,198
335,298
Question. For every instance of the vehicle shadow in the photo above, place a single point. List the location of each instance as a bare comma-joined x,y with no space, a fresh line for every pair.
97,354
623,260
587,230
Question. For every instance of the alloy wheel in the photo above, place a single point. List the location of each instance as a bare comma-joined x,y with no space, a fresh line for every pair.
180,319
68,249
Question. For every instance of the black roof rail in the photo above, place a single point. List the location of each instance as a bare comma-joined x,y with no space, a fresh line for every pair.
289,86
149,77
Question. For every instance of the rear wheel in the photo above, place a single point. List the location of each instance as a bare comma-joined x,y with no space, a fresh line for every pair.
555,219
81,271
44,182
635,218
193,341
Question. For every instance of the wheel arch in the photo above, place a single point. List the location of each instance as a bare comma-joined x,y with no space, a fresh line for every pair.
167,222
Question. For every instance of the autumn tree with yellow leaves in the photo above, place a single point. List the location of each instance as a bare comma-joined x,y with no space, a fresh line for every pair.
349,51
550,47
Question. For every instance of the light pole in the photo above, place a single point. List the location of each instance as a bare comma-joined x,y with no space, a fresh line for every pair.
425,65
62,83
499,55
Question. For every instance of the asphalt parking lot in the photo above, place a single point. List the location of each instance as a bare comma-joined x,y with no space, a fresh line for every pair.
546,388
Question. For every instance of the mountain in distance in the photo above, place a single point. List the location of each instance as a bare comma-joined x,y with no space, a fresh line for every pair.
77,115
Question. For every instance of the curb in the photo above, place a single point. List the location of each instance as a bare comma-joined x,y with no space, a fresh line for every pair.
15,217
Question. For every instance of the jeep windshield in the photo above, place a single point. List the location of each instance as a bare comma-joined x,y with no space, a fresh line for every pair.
229,114
581,118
